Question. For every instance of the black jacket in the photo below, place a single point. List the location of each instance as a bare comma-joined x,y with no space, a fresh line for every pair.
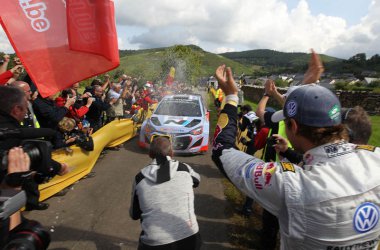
8,122
47,113
96,109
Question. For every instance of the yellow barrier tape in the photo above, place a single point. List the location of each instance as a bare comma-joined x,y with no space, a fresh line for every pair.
81,161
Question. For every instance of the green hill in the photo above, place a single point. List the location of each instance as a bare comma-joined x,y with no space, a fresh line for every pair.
147,63
271,59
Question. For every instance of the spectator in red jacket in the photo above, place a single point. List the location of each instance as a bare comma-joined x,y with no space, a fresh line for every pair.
80,108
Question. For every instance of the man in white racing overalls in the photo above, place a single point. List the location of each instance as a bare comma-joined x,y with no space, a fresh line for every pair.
330,202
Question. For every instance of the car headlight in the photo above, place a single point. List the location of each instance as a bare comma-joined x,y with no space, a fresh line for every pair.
197,131
155,121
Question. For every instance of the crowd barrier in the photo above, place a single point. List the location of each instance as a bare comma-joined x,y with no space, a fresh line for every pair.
81,162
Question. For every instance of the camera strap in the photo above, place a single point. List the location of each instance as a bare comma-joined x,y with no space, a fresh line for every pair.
4,231
17,179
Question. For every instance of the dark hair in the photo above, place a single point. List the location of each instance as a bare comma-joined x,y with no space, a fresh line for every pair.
246,108
96,82
160,147
320,136
10,97
66,92
358,124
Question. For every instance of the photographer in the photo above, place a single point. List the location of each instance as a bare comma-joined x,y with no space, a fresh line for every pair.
8,76
48,114
94,115
249,122
18,232
13,108
18,162
79,108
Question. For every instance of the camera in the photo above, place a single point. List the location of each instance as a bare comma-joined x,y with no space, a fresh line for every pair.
271,141
39,153
27,235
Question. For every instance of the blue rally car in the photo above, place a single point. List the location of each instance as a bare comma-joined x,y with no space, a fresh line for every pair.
183,119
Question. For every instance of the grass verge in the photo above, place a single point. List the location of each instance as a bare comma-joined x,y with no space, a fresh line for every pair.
244,233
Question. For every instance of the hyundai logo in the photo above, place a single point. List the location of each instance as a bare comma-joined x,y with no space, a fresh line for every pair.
366,217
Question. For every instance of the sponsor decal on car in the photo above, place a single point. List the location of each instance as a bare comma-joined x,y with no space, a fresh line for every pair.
178,122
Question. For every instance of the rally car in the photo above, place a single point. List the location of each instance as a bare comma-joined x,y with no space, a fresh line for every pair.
183,119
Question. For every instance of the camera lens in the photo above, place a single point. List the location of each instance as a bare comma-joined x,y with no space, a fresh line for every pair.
33,153
28,235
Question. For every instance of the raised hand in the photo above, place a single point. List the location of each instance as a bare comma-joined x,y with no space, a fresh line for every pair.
315,69
226,80
270,87
281,143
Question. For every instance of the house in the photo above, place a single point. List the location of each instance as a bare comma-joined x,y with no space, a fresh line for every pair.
368,80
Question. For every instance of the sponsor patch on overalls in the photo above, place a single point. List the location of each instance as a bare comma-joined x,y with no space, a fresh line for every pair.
366,147
287,167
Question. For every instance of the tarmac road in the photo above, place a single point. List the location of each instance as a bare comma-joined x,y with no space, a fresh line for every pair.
94,212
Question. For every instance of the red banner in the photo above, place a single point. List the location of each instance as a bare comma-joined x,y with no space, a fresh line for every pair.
61,42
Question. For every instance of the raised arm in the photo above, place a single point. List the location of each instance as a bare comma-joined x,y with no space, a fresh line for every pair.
315,69
247,173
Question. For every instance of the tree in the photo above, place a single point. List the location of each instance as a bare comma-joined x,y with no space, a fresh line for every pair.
341,86
358,59
186,62
281,83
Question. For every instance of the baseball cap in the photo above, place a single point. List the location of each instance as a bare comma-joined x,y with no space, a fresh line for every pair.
290,90
311,105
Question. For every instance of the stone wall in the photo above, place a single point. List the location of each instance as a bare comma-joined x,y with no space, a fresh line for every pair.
369,101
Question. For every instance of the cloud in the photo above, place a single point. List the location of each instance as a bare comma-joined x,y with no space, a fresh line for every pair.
5,46
221,50
231,24
361,38
235,25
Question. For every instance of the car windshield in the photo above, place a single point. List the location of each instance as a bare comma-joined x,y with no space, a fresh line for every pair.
179,107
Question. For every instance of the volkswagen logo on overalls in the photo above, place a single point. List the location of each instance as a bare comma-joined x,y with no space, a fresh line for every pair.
366,217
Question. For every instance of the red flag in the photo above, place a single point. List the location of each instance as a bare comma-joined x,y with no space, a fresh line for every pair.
60,45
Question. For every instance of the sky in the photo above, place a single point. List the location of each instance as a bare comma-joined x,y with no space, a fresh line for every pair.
340,28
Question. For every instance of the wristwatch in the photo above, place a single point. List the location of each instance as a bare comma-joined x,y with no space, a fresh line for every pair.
265,94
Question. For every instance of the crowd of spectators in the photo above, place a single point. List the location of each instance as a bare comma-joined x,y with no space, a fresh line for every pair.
70,116
296,180
75,115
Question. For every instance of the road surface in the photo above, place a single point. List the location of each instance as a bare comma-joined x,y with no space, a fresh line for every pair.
94,212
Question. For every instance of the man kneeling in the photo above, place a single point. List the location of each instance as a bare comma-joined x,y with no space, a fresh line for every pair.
163,199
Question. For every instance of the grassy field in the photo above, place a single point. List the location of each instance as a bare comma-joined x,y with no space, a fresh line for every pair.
375,138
